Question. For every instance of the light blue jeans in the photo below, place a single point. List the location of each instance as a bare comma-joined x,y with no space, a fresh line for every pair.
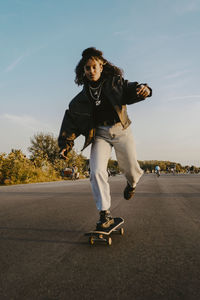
123,142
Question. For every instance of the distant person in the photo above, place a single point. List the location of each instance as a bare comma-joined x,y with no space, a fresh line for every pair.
157,170
99,113
75,173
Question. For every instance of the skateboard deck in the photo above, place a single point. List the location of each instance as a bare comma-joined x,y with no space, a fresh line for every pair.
104,234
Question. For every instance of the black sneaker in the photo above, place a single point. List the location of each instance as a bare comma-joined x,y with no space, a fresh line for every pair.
105,220
129,191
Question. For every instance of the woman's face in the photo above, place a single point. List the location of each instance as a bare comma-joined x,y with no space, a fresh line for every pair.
93,69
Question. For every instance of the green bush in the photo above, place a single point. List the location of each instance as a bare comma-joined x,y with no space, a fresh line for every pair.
16,168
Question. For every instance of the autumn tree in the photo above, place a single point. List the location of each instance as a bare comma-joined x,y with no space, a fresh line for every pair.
44,146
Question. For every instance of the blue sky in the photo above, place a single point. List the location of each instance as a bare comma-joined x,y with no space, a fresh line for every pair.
155,41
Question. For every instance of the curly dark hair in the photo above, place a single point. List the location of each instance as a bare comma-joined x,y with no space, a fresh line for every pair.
108,68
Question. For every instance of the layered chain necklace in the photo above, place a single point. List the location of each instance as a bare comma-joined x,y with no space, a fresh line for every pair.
95,93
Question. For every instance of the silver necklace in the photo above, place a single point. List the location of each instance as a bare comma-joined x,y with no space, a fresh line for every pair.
95,93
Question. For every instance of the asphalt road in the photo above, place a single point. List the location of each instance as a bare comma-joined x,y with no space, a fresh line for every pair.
44,254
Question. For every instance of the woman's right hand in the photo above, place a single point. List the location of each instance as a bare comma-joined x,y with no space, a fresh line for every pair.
63,154
143,90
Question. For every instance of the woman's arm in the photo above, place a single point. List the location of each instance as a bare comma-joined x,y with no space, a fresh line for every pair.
68,133
134,92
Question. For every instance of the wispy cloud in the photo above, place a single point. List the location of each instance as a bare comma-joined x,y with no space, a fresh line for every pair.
187,6
19,59
121,32
189,98
14,64
176,74
26,121
186,97
20,128
186,35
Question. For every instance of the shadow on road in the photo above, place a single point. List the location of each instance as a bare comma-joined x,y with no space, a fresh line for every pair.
71,234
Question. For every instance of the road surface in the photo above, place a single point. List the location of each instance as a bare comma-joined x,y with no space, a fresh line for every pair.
44,254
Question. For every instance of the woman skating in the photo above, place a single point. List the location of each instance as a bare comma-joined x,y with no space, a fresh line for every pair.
99,113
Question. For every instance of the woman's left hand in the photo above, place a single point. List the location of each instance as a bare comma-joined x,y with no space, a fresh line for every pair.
143,90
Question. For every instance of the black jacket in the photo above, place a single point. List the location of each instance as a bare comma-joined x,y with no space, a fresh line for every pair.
79,118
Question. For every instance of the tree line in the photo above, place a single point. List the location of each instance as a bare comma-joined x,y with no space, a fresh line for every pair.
44,163
167,167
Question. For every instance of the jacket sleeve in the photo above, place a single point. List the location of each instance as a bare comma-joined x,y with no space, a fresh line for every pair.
129,92
68,132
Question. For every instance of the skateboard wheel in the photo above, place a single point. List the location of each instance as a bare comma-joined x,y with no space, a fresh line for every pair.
109,241
121,231
91,240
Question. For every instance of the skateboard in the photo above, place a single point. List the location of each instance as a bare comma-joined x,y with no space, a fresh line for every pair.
104,234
